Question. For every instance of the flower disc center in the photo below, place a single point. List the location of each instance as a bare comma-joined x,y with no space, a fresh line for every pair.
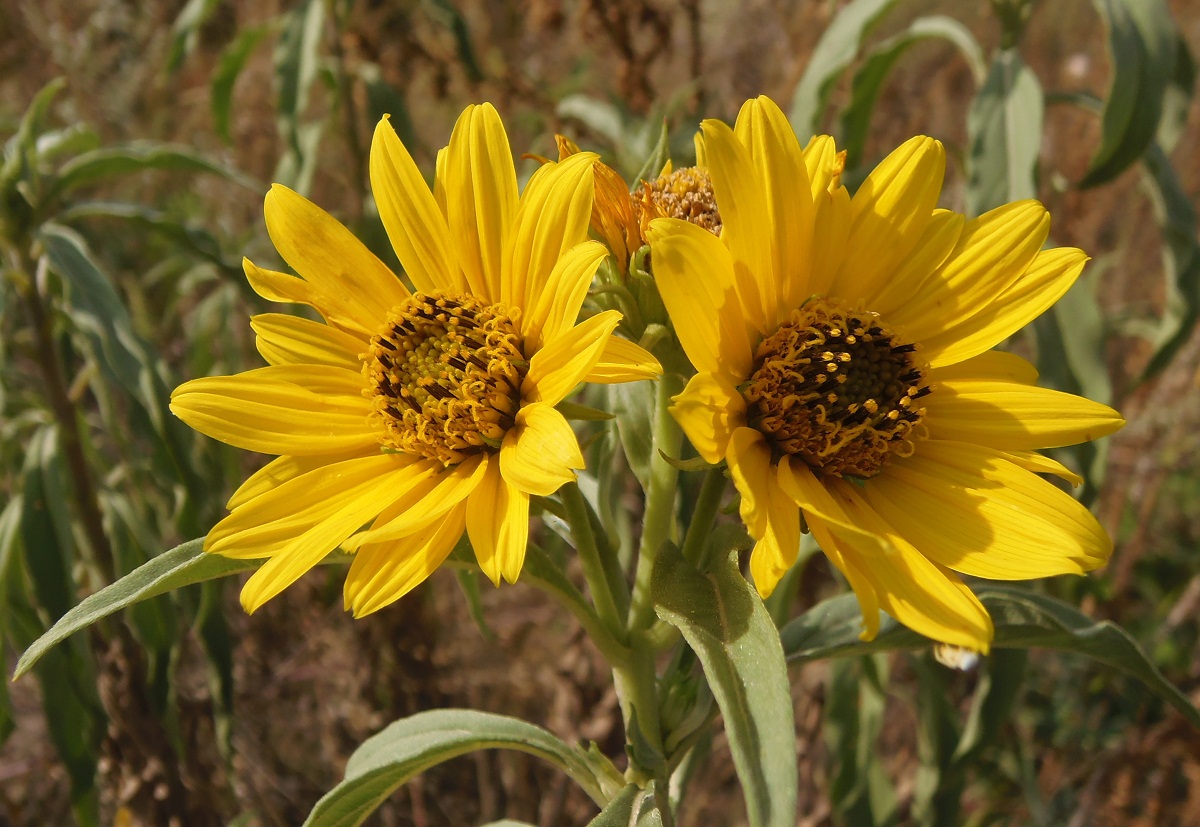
445,376
835,388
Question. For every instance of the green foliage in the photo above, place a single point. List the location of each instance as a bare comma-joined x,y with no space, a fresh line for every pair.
727,626
411,746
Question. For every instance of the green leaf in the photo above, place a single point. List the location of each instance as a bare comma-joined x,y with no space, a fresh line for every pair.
996,696
938,788
726,624
447,13
46,524
181,566
1176,217
385,99
870,78
860,791
138,156
1004,134
632,807
297,58
412,745
229,67
187,28
656,160
835,51
632,404
1022,620
1177,97
10,531
195,239
1142,40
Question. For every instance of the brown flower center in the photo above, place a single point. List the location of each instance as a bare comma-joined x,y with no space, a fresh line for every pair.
685,193
445,376
835,388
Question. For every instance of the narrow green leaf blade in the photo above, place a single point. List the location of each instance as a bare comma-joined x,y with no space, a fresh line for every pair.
1022,619
414,744
138,156
229,67
1142,41
1004,134
869,80
835,51
181,566
46,524
725,622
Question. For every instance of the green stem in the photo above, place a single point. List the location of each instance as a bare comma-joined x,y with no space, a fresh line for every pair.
703,517
659,518
55,386
589,555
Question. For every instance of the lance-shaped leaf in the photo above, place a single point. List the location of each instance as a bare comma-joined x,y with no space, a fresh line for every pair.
726,624
414,744
1142,44
137,156
1004,129
869,80
179,567
1022,619
836,49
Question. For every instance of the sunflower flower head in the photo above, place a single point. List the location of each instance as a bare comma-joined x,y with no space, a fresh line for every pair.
412,415
846,373
685,193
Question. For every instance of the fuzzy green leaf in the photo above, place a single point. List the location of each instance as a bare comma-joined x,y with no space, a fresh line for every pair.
726,624
1142,44
174,569
412,745
1022,619
1004,134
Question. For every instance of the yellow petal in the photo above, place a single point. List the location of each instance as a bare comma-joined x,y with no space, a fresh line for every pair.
330,257
425,499
280,470
776,156
553,217
623,361
1038,464
414,222
262,525
694,274
541,453
993,252
746,229
557,368
938,241
1014,417
770,515
557,307
709,410
969,509
924,596
382,573
822,514
831,229
273,417
824,164
991,364
1046,281
290,340
889,214
481,197
280,287
498,525
301,554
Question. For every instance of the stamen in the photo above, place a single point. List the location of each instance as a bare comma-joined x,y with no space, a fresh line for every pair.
460,395
834,387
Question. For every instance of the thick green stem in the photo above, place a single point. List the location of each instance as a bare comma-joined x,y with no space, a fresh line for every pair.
55,387
589,554
704,516
659,518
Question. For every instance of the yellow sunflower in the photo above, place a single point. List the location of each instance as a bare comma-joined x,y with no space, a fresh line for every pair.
847,377
419,413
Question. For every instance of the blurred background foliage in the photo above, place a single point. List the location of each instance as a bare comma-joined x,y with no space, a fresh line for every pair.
140,137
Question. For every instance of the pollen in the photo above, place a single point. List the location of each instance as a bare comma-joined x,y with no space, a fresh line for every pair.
835,388
685,193
444,376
